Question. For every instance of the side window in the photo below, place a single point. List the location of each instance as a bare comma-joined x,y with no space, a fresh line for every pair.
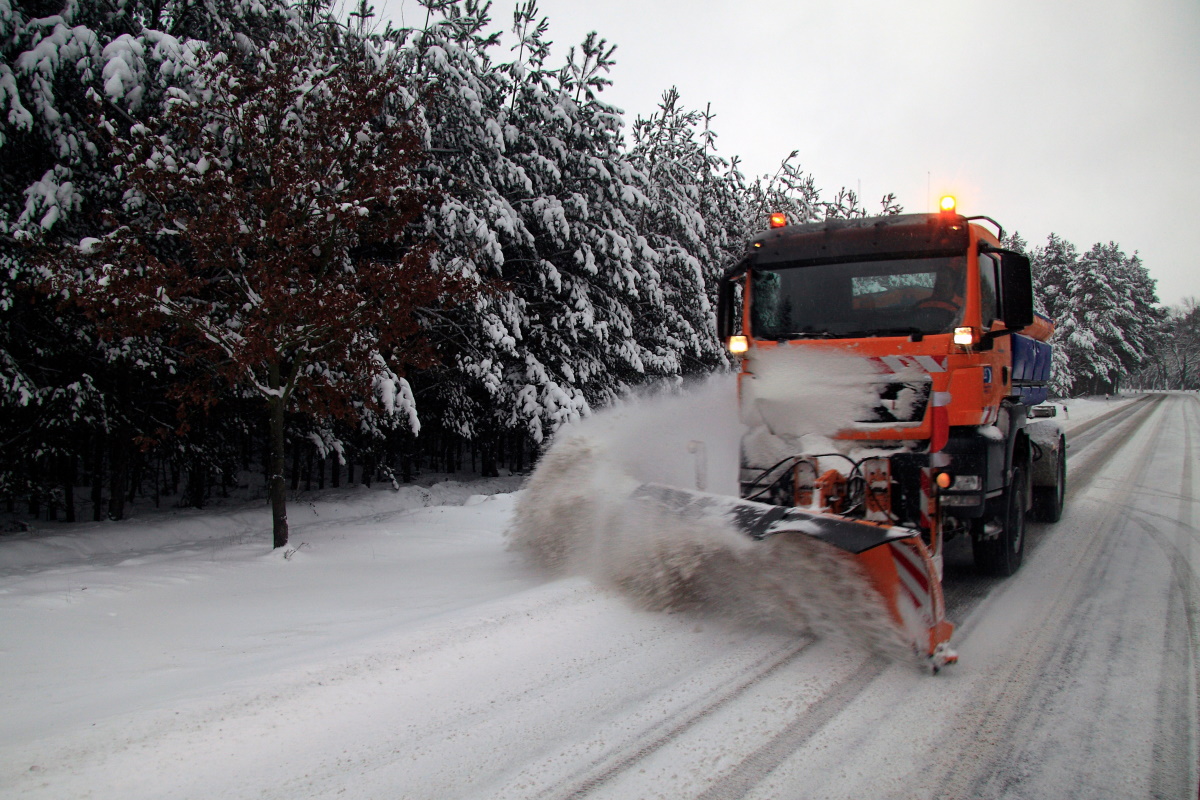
987,290
770,306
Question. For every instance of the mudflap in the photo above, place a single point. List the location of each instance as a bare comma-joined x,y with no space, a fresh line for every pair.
895,560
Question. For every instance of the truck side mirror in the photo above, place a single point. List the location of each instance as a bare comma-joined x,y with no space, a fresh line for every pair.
1016,290
725,308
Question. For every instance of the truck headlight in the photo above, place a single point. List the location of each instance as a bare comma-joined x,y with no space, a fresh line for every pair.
966,483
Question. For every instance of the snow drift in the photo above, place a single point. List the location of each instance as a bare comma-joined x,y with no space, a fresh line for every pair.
799,392
578,515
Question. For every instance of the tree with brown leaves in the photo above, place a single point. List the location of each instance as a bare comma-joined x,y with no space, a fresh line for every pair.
268,233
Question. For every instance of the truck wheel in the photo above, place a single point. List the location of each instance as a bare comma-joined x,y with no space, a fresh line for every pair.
1002,554
1048,500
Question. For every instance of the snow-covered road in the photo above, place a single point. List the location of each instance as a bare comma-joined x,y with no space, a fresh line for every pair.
404,653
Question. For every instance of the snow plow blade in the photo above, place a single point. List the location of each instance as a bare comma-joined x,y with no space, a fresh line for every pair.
895,560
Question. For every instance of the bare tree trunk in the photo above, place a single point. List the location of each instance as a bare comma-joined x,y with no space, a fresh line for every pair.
487,457
296,467
98,480
118,475
310,454
276,487
68,483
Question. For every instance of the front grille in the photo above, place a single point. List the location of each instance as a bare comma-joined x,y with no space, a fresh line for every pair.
899,402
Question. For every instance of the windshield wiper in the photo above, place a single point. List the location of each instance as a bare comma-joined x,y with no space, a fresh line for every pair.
809,333
894,332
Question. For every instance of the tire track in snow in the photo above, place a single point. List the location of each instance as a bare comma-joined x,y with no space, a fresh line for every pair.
1084,438
298,694
616,762
965,588
1082,434
1059,643
512,743
979,755
759,763
1177,743
750,772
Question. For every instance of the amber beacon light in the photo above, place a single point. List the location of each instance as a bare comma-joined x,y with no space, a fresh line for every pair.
778,220
948,204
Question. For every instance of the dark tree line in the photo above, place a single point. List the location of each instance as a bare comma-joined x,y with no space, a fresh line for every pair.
1174,360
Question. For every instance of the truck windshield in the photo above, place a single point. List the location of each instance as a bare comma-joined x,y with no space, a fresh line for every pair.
895,297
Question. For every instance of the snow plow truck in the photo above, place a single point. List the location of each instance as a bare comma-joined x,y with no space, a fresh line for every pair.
953,441
918,333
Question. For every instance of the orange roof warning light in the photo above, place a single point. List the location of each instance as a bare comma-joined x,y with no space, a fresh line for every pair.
778,220
948,204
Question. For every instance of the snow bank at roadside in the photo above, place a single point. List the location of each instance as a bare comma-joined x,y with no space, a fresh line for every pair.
62,544
1075,411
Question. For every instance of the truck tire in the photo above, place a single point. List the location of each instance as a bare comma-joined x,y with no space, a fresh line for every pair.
1048,500
1002,554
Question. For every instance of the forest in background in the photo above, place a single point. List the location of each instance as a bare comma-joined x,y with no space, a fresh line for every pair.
247,243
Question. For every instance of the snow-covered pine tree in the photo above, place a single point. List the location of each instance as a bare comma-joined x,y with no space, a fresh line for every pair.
789,190
694,196
723,200
1178,350
464,101
1134,316
846,205
1053,266
1104,306
538,195
590,277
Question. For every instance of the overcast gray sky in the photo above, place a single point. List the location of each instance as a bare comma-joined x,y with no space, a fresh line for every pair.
1073,116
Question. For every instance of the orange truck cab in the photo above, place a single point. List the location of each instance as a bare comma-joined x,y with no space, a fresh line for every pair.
937,318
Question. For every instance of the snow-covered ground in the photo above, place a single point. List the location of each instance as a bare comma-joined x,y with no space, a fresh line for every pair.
398,649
